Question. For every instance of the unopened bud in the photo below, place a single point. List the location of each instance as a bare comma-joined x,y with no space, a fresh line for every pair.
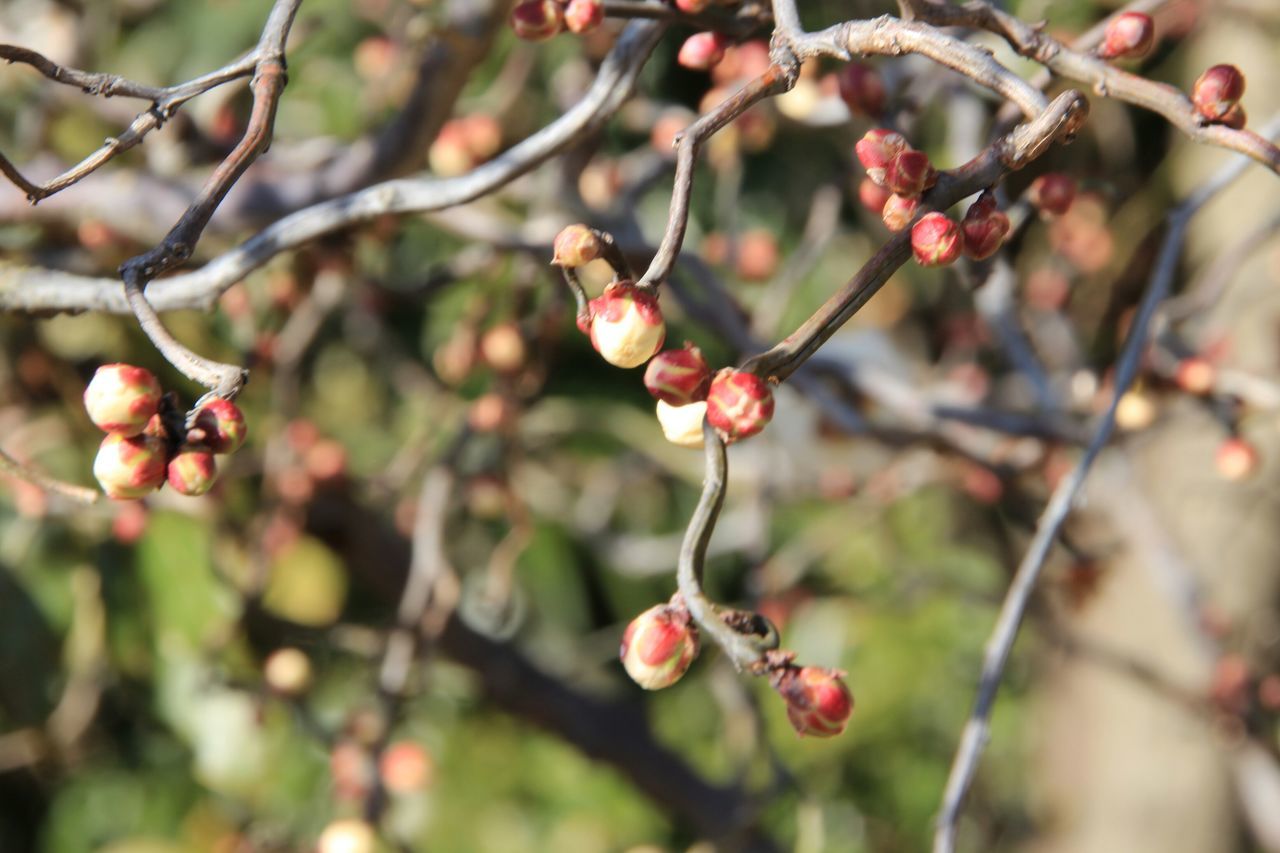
678,376
347,836
1052,193
873,196
1195,375
626,324
129,466
701,51
582,16
876,148
1128,35
1236,459
575,246
536,20
122,398
659,645
818,701
192,472
1217,90
739,404
682,425
1135,411
910,173
692,7
287,671
983,228
862,89
935,240
899,210
405,767
223,425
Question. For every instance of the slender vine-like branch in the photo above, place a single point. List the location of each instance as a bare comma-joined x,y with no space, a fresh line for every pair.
164,103
1000,644
1105,79
70,491
29,289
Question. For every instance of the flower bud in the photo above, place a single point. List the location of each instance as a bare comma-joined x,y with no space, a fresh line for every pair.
626,325
1217,90
287,671
121,398
347,836
876,148
575,246
983,228
536,20
935,240
678,376
1195,375
223,425
192,472
659,645
700,51
692,7
1135,411
873,196
739,404
910,173
129,466
405,767
582,16
1236,459
1128,35
1052,193
862,89
899,211
818,701
682,425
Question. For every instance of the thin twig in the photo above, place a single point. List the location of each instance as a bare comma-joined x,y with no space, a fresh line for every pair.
1000,644
78,494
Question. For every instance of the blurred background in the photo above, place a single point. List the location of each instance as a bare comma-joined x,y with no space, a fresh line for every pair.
186,674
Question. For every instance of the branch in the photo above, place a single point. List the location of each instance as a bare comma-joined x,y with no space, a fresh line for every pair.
78,494
1106,79
999,645
164,103
33,289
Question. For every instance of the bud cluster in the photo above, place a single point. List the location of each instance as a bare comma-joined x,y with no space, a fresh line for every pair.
538,20
147,441
901,172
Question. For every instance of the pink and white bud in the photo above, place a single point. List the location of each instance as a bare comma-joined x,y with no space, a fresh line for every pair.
935,240
347,836
1217,90
862,89
536,20
223,425
1052,193
899,210
739,404
1195,375
678,376
876,148
1236,459
873,196
575,246
692,7
658,646
983,228
192,472
626,324
818,701
405,767
1128,35
701,51
910,173
582,16
122,398
682,425
129,466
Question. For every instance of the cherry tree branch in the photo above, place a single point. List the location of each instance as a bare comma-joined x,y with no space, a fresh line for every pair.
974,738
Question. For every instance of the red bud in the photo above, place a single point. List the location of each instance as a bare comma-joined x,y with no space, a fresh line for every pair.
575,246
122,398
1217,90
876,148
873,196
818,701
700,51
536,20
935,240
1129,34
678,376
582,16
899,211
129,466
1052,193
626,325
910,173
983,228
192,472
862,89
223,425
659,645
739,404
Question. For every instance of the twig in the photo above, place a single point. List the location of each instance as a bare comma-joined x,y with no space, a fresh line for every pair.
164,103
999,645
78,494
27,289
